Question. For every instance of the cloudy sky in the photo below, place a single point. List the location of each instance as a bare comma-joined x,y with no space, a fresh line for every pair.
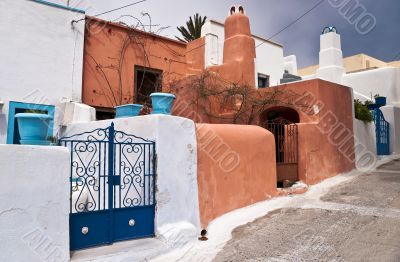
267,17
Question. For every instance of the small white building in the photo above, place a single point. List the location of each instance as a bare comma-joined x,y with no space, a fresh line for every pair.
41,64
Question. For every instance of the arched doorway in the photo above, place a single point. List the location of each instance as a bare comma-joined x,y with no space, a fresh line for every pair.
281,121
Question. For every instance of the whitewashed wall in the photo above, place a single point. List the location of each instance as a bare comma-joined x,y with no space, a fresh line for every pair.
383,81
269,60
176,146
269,56
41,56
34,203
365,143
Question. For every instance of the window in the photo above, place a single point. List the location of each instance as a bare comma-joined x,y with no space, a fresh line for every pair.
263,80
19,107
147,81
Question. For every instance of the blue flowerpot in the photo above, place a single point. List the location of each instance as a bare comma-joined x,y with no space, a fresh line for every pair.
162,103
128,110
380,101
33,128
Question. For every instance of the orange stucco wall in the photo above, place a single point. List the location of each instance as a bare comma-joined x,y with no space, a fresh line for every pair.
105,46
236,168
239,52
325,131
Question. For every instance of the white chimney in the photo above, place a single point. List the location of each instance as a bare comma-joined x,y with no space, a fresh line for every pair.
330,57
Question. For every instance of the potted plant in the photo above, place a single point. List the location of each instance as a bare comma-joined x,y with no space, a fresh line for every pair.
127,110
162,103
33,127
380,100
371,105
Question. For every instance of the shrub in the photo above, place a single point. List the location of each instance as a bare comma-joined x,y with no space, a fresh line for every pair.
361,111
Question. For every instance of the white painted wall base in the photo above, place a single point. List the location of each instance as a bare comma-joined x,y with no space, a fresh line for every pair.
34,203
177,192
365,144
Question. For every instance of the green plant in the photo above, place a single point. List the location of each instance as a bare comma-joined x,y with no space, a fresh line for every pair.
193,29
361,111
367,102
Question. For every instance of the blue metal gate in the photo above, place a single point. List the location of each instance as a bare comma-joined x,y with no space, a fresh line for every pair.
112,184
382,132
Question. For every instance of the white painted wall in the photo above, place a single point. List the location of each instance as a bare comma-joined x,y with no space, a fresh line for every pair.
365,143
392,115
384,81
34,203
176,146
269,56
269,61
41,56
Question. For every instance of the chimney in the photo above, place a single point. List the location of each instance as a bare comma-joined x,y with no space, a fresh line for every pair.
330,56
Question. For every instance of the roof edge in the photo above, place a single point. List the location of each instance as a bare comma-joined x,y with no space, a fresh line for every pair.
58,6
134,29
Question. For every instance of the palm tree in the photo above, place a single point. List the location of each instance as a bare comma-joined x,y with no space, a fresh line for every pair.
193,29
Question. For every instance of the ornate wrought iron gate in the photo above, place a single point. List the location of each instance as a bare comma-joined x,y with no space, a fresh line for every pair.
112,183
286,148
382,132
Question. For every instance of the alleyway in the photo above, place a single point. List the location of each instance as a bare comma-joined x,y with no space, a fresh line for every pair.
358,220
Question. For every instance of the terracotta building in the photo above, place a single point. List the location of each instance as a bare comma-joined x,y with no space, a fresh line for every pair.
309,123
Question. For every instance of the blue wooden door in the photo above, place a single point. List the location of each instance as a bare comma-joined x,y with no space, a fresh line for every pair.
111,187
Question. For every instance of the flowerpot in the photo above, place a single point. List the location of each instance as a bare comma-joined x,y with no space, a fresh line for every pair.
162,103
33,128
380,101
128,110
372,106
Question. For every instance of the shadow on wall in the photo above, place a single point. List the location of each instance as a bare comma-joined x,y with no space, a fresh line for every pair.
3,125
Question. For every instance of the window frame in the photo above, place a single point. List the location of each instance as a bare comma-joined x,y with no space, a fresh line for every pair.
264,76
13,106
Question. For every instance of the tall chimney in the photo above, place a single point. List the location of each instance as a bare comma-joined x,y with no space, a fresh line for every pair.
330,56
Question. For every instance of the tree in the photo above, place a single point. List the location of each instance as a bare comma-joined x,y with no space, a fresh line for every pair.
192,30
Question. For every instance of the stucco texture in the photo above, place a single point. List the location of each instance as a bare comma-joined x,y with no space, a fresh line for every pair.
236,167
34,203
176,179
107,83
325,129
41,61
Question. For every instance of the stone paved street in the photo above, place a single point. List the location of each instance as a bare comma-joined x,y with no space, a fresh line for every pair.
358,220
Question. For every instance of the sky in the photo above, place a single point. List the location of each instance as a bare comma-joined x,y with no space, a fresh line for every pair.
267,17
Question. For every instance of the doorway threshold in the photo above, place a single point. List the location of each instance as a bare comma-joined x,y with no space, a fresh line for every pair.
132,250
